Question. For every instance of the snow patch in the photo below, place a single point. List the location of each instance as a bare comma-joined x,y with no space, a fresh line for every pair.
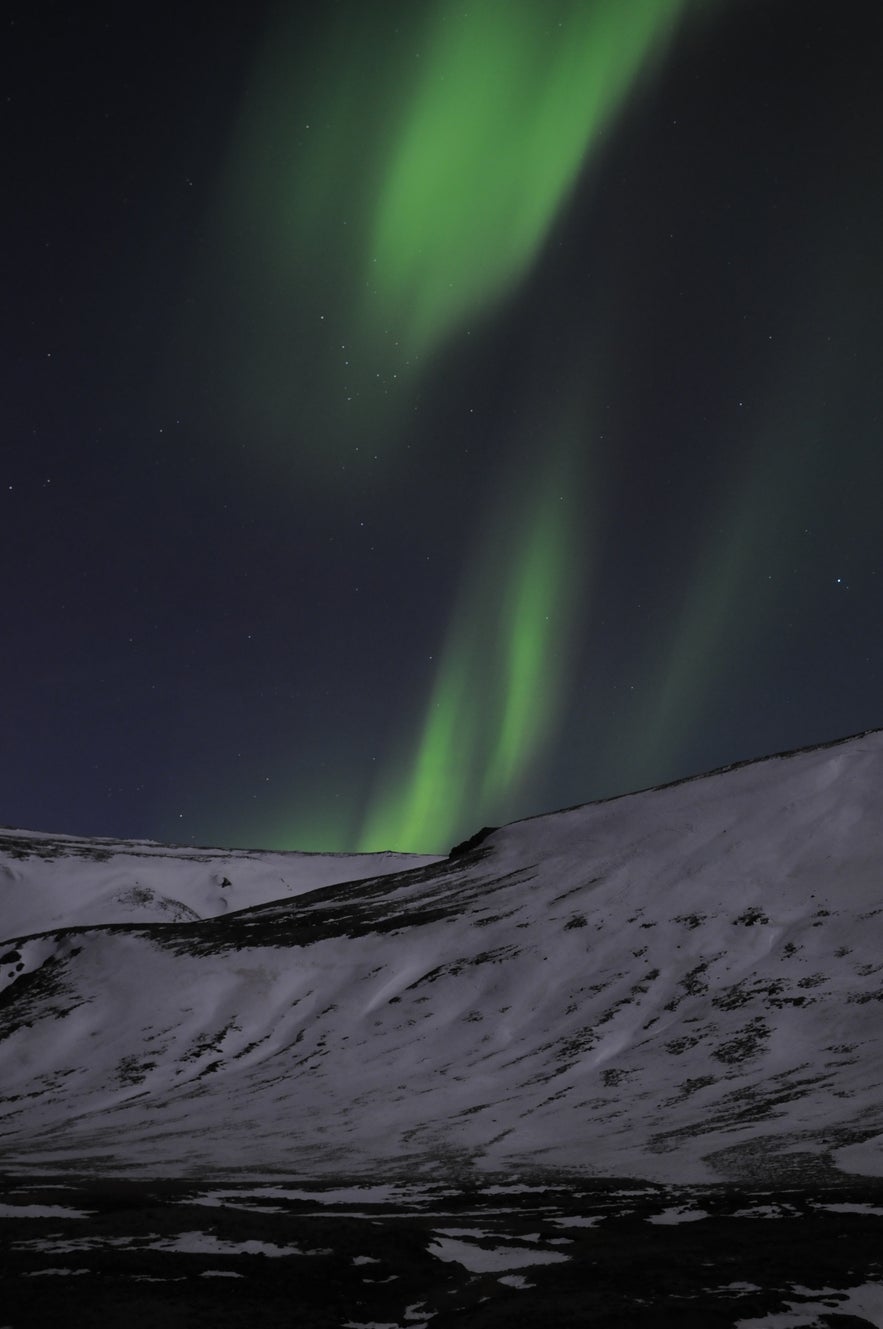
45,1273
42,1211
865,1301
670,1217
480,1260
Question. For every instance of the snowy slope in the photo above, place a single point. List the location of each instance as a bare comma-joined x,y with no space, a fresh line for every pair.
683,984
53,881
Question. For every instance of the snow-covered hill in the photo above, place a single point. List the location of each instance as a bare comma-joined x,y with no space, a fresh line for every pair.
680,984
54,881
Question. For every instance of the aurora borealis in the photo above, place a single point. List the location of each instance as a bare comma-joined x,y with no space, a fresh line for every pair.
428,415
503,116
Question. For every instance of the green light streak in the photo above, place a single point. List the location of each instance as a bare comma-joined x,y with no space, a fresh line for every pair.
390,180
501,681
511,98
414,810
534,630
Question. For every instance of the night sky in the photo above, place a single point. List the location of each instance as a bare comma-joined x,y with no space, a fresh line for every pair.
420,414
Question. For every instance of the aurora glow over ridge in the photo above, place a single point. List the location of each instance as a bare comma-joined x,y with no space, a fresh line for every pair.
509,104
412,204
502,675
426,415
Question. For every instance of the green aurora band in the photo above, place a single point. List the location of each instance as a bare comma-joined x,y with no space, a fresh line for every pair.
404,177
512,99
390,181
501,682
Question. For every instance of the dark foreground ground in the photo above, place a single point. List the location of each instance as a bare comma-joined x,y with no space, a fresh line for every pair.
593,1254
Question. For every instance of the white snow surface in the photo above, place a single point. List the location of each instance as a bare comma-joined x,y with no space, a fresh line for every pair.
42,1211
44,1273
672,1217
483,1260
191,1243
682,984
55,881
865,1301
